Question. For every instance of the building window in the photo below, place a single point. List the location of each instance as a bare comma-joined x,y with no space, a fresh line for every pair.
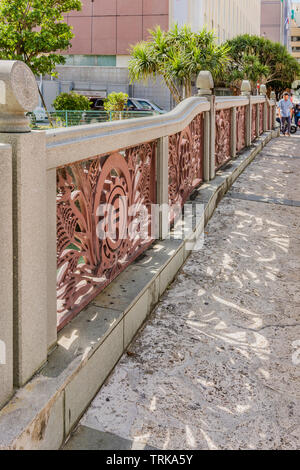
91,60
106,60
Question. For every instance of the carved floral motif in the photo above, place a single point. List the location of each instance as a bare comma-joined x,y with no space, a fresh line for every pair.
223,135
261,118
185,162
254,114
240,128
96,197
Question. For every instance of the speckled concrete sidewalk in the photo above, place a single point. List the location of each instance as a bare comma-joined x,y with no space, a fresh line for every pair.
216,366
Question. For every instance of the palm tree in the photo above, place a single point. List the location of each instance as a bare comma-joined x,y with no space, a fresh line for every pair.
177,55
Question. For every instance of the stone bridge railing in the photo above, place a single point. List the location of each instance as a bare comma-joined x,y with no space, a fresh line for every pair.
71,185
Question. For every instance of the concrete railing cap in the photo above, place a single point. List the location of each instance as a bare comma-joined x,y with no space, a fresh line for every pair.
18,95
205,82
246,86
263,89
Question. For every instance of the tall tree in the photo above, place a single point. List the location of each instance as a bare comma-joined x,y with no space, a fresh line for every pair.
177,55
259,59
34,31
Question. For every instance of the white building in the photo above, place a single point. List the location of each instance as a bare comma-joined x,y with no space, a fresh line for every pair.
228,18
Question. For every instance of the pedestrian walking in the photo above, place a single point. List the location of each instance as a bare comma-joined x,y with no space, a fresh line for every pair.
285,108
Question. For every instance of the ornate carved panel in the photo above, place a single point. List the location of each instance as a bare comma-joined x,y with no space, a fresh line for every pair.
185,162
223,134
103,222
240,128
254,114
261,118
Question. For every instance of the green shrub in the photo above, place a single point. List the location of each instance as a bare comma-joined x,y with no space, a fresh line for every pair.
116,102
71,101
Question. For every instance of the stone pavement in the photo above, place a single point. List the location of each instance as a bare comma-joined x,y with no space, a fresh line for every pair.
216,366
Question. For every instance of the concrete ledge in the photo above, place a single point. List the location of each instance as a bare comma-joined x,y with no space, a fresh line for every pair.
42,414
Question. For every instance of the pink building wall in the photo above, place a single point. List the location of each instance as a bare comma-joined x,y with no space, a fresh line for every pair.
109,27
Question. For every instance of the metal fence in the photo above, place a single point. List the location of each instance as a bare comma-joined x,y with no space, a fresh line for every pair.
67,118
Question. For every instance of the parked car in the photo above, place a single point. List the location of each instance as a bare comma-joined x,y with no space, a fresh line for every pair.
40,114
133,104
143,104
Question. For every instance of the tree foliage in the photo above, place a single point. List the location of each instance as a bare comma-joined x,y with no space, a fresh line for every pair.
258,59
34,32
177,55
71,101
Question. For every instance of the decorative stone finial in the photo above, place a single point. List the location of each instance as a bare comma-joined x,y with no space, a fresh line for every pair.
205,83
246,88
18,95
263,90
273,95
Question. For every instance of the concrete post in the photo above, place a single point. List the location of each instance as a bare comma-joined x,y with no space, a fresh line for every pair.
274,117
212,137
266,116
233,136
263,92
270,115
51,260
273,110
206,163
246,91
6,277
163,186
249,123
19,94
205,85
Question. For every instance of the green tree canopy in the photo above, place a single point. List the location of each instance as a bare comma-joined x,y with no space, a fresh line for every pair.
177,55
35,32
259,59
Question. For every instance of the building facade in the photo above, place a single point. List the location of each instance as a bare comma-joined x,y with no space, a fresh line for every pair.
295,31
276,21
105,29
228,18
